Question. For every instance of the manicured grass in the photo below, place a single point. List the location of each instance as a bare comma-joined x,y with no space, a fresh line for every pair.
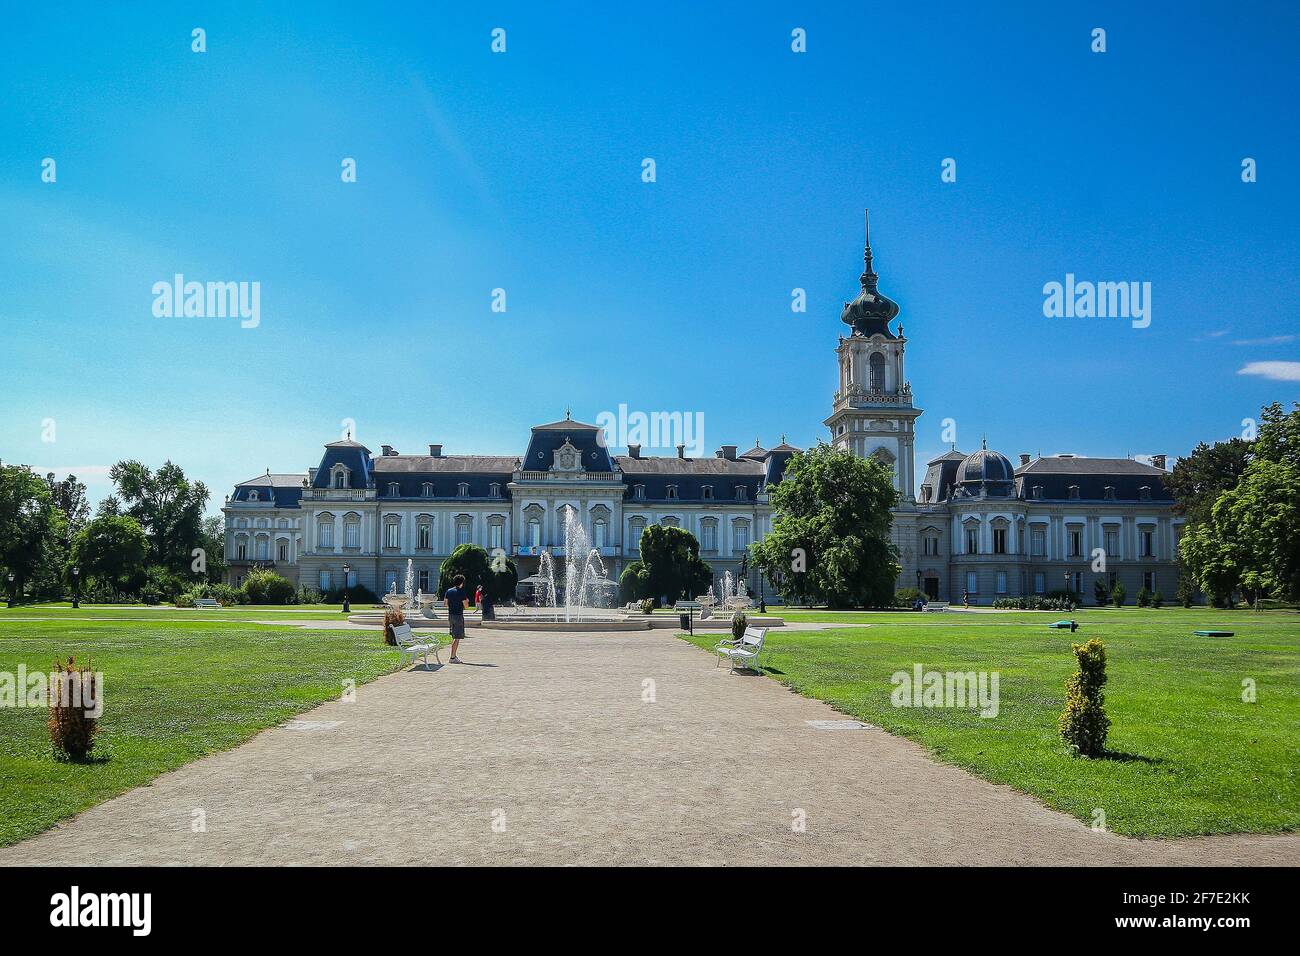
1188,756
245,612
173,692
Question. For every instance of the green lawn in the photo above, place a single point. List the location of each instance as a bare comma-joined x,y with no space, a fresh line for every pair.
1188,755
173,692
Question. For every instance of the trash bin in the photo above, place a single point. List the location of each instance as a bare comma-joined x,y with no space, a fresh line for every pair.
686,623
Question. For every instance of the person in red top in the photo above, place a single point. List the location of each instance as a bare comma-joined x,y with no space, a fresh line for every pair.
478,596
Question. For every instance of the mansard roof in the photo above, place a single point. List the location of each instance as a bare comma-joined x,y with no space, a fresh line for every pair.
1092,476
547,439
500,465
283,491
1076,465
672,465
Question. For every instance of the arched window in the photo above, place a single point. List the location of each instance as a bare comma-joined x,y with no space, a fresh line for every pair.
427,489
877,372
599,533
534,532
634,529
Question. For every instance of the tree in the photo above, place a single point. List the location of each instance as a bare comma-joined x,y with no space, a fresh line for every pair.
32,529
670,558
69,496
473,562
113,551
634,583
1249,538
168,507
1197,480
830,530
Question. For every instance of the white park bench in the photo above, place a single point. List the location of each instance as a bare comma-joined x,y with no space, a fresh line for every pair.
206,603
413,647
687,606
936,607
745,650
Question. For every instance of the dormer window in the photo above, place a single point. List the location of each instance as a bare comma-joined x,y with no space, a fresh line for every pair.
1037,491
926,492
494,490
672,491
462,490
427,489
707,492
1145,492
394,489
742,493
1074,492
252,496
340,480
1109,493
638,492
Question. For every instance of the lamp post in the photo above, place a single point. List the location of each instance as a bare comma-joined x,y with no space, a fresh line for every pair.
1067,586
347,608
76,586
11,589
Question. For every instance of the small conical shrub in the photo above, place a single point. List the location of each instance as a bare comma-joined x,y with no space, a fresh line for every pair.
738,624
73,692
1084,723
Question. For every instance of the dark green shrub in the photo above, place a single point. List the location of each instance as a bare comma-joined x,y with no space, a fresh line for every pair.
1144,598
738,624
1084,723
263,586
634,583
1118,593
357,594
1186,590
1156,599
906,597
1100,592
1034,602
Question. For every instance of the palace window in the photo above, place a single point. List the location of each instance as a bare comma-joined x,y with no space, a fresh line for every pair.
1040,582
424,581
706,492
742,493
463,489
1076,543
709,536
352,534
494,490
534,533
1148,544
1000,541
1074,491
1145,493
496,531
634,529
392,532
638,492
1109,493
972,540
282,551
930,545
1038,543
740,531
672,491
340,479
1036,491
670,522
972,582
463,529
252,496
325,532
427,489
394,489
1002,582
1112,544
424,536
324,580
241,550
599,533
1149,580
877,364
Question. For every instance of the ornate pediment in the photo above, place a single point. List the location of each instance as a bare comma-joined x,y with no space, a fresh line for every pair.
567,458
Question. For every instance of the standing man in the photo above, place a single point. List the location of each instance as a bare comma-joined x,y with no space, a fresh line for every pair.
456,613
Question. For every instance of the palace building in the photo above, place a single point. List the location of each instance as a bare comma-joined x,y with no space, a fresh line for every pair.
977,527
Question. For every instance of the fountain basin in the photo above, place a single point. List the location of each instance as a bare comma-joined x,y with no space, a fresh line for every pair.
568,627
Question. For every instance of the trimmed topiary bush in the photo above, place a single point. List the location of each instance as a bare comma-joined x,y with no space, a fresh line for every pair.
1144,598
648,606
1118,593
738,624
1084,723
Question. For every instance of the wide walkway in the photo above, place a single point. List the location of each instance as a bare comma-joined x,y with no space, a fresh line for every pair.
589,749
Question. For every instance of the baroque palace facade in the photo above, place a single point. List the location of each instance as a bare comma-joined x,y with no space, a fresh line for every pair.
977,527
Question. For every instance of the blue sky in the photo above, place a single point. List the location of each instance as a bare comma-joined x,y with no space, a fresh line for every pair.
522,171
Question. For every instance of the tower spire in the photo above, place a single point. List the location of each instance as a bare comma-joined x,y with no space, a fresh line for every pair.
868,277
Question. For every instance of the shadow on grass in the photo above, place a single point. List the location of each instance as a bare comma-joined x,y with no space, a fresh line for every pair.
1120,756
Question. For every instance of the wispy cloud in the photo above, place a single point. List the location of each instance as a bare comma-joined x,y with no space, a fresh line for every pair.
1277,371
1211,335
1271,340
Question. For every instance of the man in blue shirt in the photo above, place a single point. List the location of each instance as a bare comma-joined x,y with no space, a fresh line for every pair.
456,598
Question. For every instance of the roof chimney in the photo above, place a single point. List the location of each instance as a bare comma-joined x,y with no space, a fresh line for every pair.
435,451
1158,461
388,450
1024,459
728,452
681,451
634,451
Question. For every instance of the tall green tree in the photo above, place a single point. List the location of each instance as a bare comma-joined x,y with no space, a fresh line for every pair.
168,506
1249,537
1197,480
830,531
670,558
112,551
69,496
33,531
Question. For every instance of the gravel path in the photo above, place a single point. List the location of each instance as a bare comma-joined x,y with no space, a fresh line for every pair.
543,751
